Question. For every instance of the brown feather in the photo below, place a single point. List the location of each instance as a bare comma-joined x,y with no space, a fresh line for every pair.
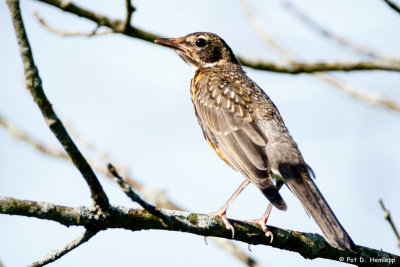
298,179
237,140
244,127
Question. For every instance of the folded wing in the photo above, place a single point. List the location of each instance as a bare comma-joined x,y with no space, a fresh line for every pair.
227,118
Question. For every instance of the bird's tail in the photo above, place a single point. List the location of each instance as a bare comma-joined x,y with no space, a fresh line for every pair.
298,180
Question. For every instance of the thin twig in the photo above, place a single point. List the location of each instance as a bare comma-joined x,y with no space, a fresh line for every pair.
386,215
158,197
309,245
99,152
312,24
34,85
233,249
393,5
58,253
366,97
134,32
263,33
99,19
133,195
298,67
137,37
129,11
18,133
65,33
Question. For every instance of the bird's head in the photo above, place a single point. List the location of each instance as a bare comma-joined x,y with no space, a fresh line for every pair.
201,50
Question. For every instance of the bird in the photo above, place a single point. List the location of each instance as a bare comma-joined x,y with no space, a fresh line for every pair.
244,127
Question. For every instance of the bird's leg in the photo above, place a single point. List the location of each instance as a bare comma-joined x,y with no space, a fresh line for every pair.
263,220
222,211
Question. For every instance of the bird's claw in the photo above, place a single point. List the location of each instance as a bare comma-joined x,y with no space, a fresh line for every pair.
228,225
264,227
270,235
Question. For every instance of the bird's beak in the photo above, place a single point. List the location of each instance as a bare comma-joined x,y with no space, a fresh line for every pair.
175,43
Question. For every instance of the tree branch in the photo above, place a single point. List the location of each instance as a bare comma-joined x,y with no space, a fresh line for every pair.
265,65
34,85
190,221
129,11
102,20
309,245
312,24
297,67
64,33
158,197
133,196
291,57
58,253
366,97
18,133
392,5
386,214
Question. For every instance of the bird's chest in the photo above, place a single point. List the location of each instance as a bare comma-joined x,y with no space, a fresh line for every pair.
215,93
198,85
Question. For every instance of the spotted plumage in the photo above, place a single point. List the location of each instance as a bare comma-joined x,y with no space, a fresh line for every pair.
244,127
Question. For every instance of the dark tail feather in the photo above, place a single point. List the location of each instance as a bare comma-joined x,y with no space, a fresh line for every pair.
298,180
274,197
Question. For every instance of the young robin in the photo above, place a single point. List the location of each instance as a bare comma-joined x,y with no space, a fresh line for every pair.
244,127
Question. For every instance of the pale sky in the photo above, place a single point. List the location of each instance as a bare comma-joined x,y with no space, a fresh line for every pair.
131,98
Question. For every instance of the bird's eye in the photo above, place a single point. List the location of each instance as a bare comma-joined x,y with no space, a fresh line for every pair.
201,42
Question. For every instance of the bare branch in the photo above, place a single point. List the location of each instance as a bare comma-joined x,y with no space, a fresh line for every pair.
233,249
296,67
309,245
158,197
99,152
369,98
386,214
263,33
18,133
114,25
132,194
134,32
308,21
69,4
65,33
58,253
34,85
393,5
129,11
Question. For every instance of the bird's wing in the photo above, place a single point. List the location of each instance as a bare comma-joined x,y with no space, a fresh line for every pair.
225,113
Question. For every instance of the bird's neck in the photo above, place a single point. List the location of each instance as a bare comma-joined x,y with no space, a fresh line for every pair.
221,68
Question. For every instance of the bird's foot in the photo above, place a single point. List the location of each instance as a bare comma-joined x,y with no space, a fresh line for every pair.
222,214
262,222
